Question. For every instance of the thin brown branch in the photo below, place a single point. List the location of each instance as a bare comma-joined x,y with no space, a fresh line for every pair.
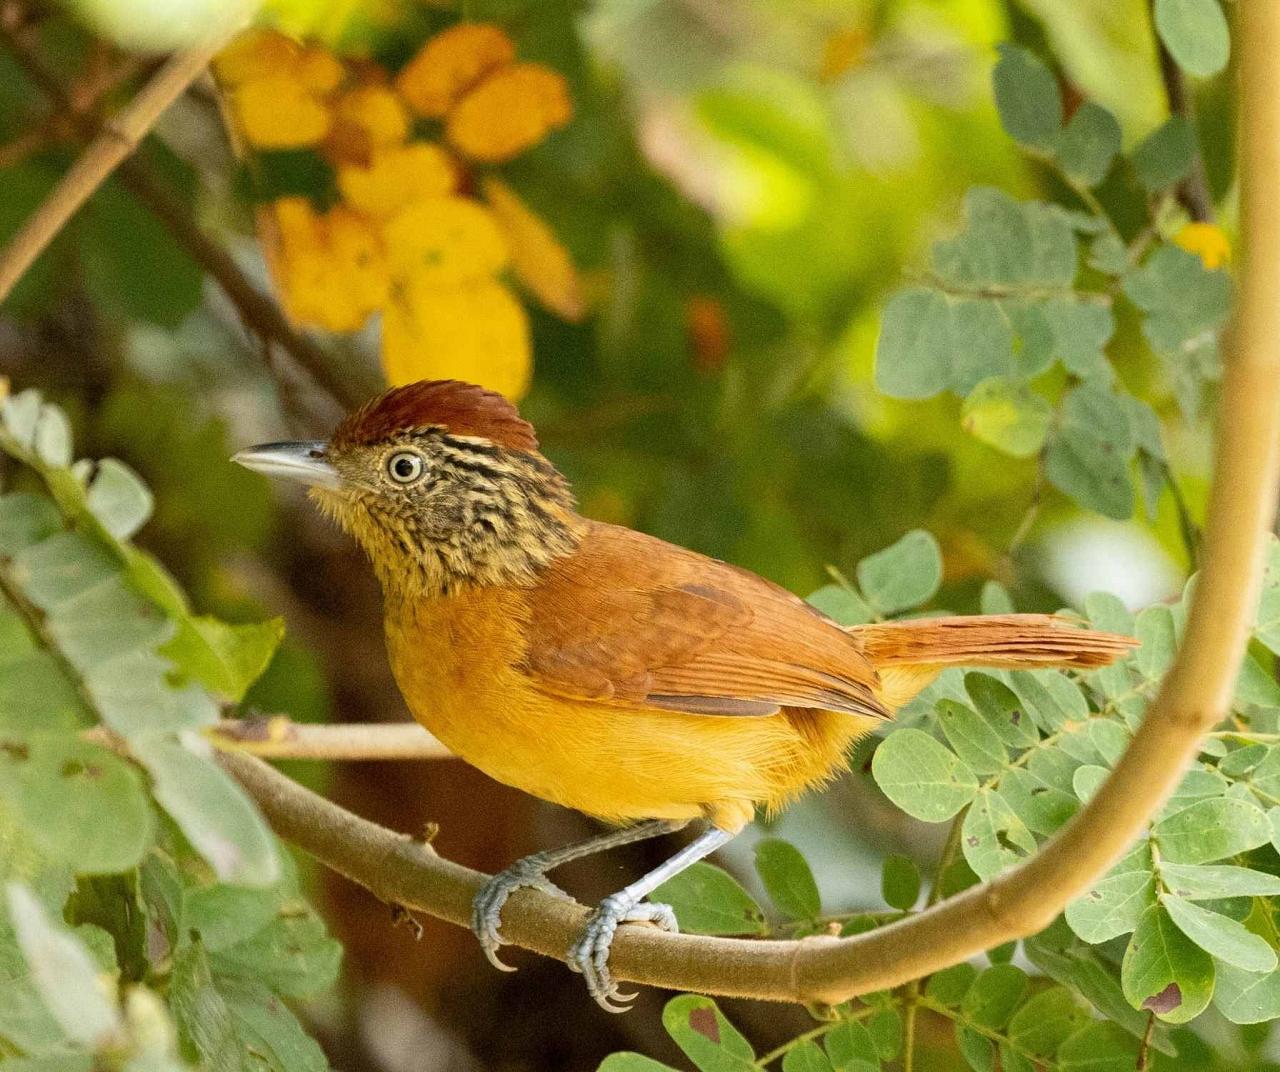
1021,901
114,141
259,313
1193,192
278,737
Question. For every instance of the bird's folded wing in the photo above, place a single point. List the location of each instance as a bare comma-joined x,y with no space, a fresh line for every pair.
633,621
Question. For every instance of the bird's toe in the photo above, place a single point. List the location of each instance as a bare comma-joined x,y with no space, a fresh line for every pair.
590,953
486,908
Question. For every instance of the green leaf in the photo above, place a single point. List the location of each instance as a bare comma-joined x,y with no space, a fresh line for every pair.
1220,935
632,1062
1214,881
82,804
63,971
212,810
851,1048
293,954
1186,306
1051,698
707,1038
1027,98
1089,143
1008,245
119,499
922,777
1081,331
222,657
1195,33
993,837
236,1024
223,915
995,599
1100,1047
885,1029
900,882
1042,806
842,605
806,1057
1112,906
972,737
52,439
1164,971
1247,997
1000,706
903,575
787,878
1211,829
708,900
1158,642
1088,455
1165,157
1008,415
994,995
978,1051
949,986
1048,1019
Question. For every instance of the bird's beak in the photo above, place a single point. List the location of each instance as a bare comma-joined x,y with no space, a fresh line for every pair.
303,462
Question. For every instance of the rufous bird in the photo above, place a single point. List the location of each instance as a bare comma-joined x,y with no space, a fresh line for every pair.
603,669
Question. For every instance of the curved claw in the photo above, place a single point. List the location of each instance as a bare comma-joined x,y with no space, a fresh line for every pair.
486,907
590,953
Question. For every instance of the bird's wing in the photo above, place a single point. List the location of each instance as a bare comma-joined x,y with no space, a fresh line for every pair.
631,620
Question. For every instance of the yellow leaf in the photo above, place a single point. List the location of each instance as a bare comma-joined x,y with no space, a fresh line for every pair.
450,64
510,111
476,332
397,177
256,53
1207,241
279,112
330,268
445,240
541,263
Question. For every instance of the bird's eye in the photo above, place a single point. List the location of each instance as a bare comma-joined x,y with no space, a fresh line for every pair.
404,467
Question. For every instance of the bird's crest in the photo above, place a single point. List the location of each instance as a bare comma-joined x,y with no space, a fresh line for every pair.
459,408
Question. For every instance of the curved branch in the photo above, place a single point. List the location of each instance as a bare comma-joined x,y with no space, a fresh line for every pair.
278,737
1194,697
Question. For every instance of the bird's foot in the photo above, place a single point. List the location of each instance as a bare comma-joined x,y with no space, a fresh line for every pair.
590,953
486,908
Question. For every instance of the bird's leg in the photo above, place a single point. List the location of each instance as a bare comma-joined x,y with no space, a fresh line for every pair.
531,871
590,953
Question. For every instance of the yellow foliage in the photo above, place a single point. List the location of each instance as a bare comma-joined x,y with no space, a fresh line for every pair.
474,331
442,241
330,268
256,54
365,120
509,112
397,178
1207,241
541,263
450,64
279,112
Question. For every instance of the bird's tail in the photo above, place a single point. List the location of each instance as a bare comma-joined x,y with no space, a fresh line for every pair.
911,654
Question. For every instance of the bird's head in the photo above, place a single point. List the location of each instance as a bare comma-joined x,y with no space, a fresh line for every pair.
442,484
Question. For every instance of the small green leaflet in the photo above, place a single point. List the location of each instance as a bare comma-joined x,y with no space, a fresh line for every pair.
1164,971
1195,33
787,878
708,900
924,778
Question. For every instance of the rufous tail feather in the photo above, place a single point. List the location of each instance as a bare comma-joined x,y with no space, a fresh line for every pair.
910,654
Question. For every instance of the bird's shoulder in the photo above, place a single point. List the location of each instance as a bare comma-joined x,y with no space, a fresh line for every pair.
631,619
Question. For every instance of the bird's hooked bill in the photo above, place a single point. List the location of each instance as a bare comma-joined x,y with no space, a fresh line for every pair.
304,462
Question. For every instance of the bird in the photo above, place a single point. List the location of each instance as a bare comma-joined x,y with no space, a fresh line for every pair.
606,670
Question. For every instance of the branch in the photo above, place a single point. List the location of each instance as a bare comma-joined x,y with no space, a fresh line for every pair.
277,737
1194,697
259,313
1193,192
114,141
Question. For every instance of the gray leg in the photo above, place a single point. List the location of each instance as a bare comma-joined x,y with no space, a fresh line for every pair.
531,871
590,954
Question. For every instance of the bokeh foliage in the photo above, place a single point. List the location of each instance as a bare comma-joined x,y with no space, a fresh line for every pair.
782,285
